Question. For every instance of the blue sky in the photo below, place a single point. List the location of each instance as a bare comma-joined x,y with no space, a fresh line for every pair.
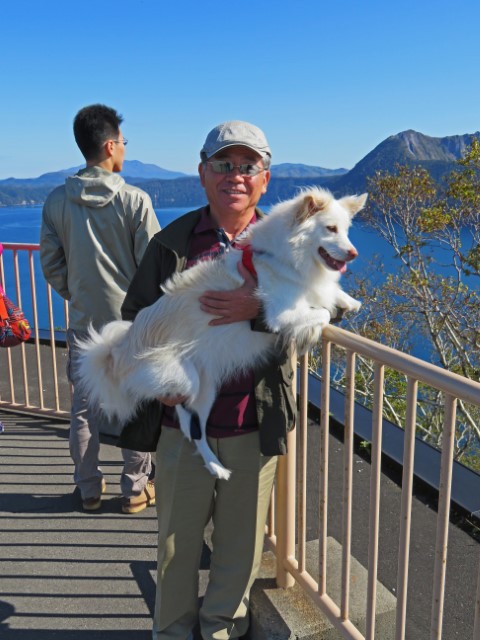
327,81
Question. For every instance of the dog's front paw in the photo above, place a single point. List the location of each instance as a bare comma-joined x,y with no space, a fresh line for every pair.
344,302
354,305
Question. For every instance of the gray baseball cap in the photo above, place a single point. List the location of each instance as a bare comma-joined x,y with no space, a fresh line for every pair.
232,133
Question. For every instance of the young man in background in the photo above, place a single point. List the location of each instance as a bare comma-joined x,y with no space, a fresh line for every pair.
94,232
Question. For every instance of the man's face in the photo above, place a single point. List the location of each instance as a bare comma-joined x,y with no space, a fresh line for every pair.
234,192
118,152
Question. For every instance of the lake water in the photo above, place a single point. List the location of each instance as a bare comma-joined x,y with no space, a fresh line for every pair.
22,224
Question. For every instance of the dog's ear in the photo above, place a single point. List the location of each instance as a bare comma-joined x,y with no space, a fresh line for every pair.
309,206
354,204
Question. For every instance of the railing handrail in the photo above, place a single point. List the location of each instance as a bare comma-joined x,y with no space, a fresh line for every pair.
289,544
27,246
433,375
17,369
442,379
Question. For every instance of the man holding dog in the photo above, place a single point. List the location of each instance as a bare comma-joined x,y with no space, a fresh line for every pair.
94,232
248,424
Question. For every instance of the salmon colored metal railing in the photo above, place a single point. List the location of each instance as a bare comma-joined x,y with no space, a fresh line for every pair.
30,376
286,525
290,521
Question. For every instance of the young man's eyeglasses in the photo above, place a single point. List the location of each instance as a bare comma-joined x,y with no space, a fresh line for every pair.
225,167
125,142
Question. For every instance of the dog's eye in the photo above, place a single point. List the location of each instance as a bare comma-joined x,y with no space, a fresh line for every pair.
332,228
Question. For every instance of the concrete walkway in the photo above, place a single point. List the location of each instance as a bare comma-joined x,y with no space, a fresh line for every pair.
65,573
78,576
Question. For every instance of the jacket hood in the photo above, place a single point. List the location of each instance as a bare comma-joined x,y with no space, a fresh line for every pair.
93,186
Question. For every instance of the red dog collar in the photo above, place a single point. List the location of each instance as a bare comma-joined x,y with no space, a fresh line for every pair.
247,261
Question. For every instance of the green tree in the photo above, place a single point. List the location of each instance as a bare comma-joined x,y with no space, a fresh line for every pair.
432,298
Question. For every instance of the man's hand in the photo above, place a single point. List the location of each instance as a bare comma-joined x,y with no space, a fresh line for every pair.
232,306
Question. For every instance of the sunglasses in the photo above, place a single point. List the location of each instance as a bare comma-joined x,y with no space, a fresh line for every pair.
225,167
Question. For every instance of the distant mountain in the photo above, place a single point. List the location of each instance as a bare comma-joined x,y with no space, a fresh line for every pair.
174,189
133,169
23,191
438,155
137,169
288,170
166,188
188,192
53,178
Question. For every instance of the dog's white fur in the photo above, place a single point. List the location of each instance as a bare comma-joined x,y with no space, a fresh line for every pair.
299,251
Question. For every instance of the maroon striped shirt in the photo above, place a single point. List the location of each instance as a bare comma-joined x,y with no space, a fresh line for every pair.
234,411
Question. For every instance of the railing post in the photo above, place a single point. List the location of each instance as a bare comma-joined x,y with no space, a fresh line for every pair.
302,443
406,509
323,467
476,629
285,502
347,482
446,467
19,368
374,516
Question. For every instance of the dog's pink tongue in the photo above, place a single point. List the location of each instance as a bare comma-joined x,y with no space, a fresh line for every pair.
343,268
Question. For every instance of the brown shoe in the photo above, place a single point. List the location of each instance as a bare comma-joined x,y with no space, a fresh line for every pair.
138,503
93,504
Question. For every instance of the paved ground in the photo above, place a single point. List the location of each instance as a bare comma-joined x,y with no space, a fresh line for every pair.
463,553
64,573
77,576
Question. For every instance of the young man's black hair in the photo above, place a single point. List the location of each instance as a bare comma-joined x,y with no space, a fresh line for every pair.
93,126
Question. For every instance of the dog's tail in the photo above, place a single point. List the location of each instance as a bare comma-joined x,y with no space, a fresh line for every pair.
100,372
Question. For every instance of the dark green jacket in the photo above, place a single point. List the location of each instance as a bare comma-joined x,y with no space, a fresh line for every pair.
276,410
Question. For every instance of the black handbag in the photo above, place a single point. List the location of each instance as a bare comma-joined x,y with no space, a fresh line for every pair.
142,432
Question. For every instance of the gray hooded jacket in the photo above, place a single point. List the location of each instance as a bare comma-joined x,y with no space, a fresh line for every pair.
94,232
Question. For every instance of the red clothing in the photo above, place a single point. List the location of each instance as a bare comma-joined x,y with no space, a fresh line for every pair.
234,411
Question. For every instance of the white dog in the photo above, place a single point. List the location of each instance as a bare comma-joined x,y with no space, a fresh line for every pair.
298,251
